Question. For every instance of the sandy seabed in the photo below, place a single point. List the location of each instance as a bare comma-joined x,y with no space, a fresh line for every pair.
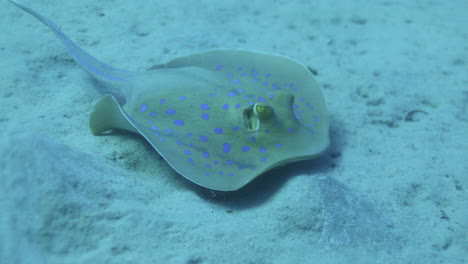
392,188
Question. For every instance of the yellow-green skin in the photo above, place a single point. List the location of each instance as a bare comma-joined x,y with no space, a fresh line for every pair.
261,125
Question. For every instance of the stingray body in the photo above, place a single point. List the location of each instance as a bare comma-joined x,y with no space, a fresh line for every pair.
219,118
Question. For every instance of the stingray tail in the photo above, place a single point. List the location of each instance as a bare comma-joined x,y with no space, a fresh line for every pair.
84,59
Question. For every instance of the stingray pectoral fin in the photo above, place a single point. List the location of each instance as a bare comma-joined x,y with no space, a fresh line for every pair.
107,114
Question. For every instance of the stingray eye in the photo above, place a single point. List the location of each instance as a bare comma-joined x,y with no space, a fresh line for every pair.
263,111
257,114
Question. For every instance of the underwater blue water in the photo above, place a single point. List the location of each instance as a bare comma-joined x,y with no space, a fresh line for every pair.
390,189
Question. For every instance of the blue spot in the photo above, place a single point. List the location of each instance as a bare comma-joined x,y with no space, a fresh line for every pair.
229,162
309,125
263,159
188,152
271,96
170,111
237,105
219,67
206,154
204,106
226,147
267,131
235,128
153,114
243,74
240,90
143,108
226,107
278,145
169,130
295,106
179,143
267,75
239,69
302,99
308,104
275,86
205,116
183,98
262,150
190,160
290,130
220,173
189,134
218,130
229,75
265,83
245,148
215,162
231,174
204,138
252,138
231,94
179,122
154,128
150,122
235,81
208,165
212,95
162,101
261,99
161,139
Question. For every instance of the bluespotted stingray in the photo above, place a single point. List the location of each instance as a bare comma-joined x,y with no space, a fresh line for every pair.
219,118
